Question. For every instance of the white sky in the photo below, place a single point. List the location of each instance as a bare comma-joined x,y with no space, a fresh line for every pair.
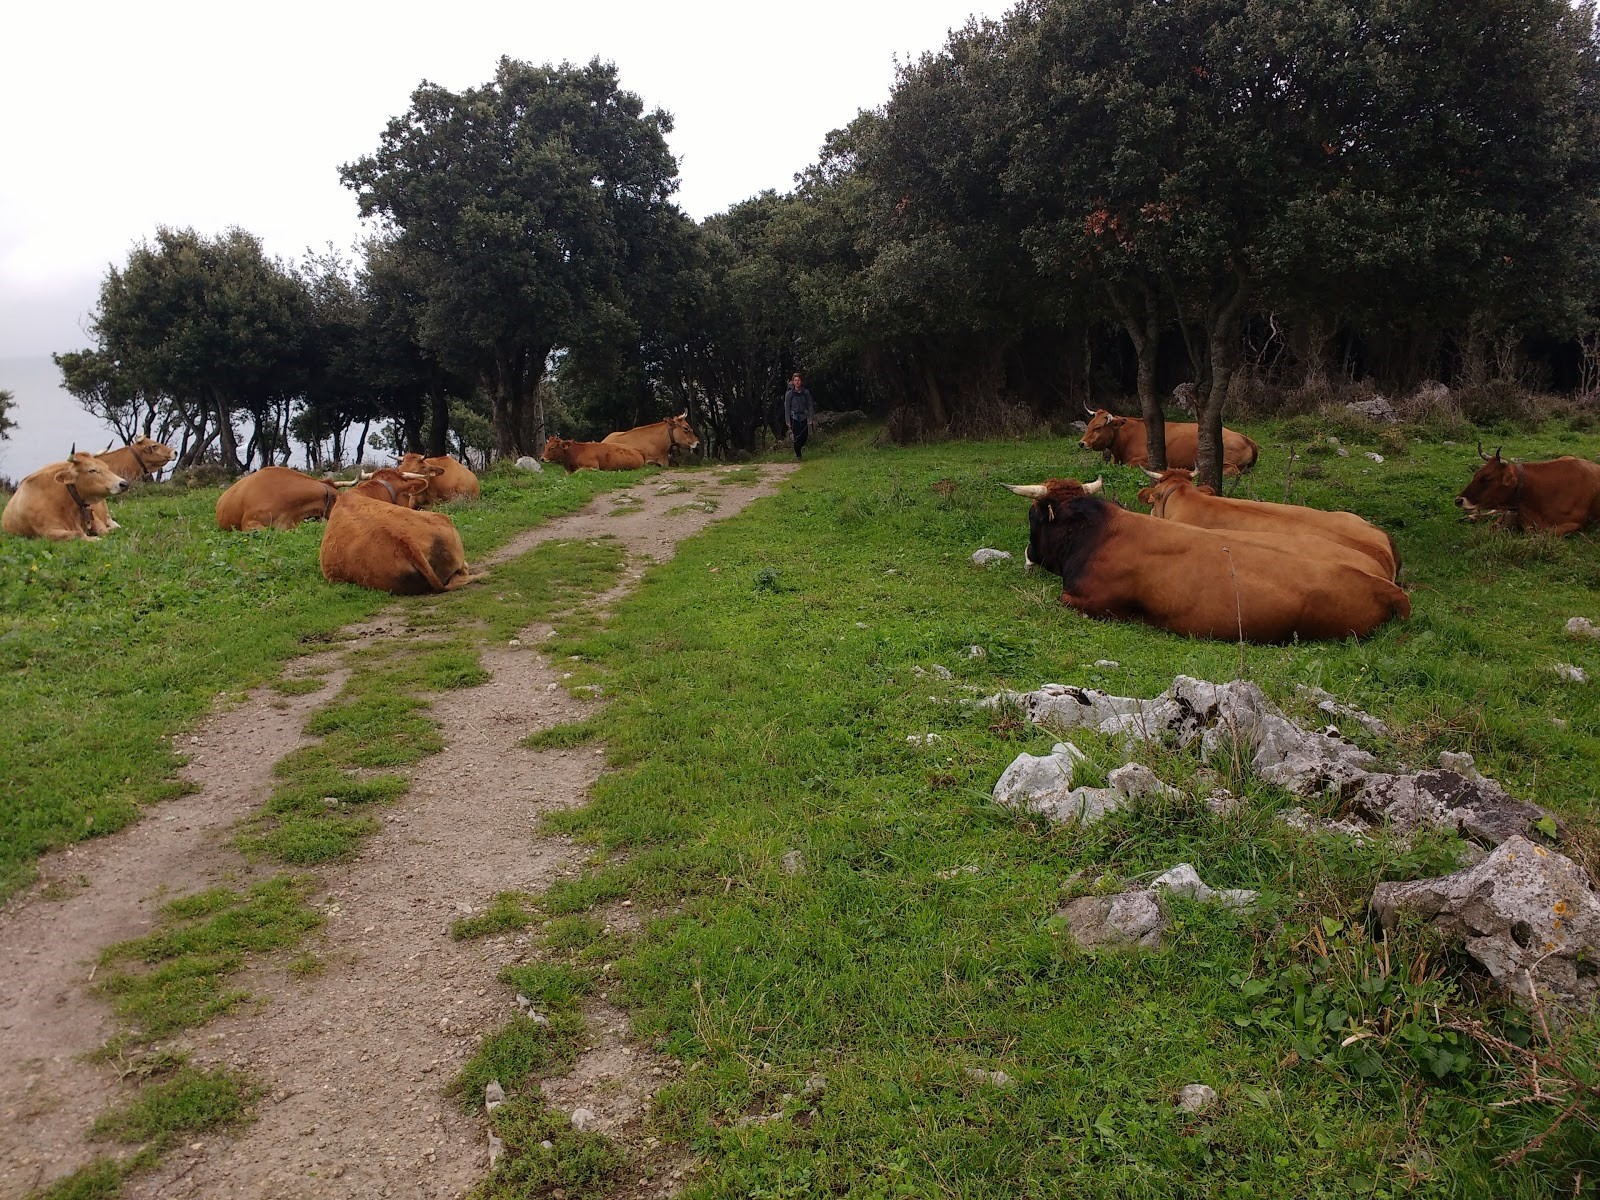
124,115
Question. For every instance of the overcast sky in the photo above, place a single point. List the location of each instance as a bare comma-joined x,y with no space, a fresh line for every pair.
123,116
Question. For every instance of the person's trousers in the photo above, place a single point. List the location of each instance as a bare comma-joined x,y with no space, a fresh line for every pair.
802,431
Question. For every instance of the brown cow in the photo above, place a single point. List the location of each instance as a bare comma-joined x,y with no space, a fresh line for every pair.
57,501
1561,495
1192,581
657,441
1174,496
1122,440
447,478
139,459
592,456
375,539
274,498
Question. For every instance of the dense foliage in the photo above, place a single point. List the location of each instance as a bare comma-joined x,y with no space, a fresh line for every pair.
1082,201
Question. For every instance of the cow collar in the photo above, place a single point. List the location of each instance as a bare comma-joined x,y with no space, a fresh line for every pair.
84,513
394,496
144,469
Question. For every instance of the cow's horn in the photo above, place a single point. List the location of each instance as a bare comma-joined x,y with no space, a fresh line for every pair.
1091,488
1033,491
366,475
1497,450
411,475
342,483
1481,454
73,451
1091,411
1154,474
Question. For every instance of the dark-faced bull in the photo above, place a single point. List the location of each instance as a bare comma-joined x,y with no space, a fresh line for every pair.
1561,495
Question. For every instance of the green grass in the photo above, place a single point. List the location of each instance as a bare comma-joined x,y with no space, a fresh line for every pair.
578,1165
508,911
516,1053
190,1102
176,977
109,649
920,940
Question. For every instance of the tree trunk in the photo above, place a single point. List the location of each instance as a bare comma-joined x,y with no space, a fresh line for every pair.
1314,339
438,421
938,418
1225,321
361,445
229,445
1144,327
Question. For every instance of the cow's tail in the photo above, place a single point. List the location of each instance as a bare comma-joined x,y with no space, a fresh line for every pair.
1400,603
419,559
1394,552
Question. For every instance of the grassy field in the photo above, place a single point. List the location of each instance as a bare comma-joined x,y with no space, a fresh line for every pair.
109,649
765,686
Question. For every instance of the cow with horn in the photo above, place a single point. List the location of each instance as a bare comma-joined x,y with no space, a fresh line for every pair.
1561,495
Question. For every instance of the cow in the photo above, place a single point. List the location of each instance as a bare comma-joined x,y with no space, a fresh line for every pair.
1122,440
592,456
1197,582
139,459
657,441
1174,496
377,540
1561,495
275,498
447,478
57,501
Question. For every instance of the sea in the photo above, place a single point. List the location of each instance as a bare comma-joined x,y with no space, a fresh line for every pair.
49,422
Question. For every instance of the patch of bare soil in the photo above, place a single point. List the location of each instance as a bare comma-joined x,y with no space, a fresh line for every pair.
354,1059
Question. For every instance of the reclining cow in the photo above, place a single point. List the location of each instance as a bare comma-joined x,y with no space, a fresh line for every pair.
592,456
447,478
1174,496
141,458
657,440
1122,440
1561,494
275,498
377,540
1198,582
57,501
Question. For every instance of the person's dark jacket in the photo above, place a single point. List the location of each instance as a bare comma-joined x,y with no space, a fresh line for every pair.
798,406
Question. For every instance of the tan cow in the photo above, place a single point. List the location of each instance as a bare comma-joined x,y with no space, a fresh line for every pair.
447,478
1561,494
658,440
592,456
1199,582
1174,496
274,498
375,540
139,459
1122,440
57,501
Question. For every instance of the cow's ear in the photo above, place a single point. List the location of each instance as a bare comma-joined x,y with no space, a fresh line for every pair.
65,476
427,470
1118,422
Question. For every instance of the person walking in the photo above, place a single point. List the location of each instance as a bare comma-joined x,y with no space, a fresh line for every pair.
798,409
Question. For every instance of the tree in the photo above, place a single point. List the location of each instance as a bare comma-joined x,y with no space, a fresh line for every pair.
198,330
8,400
525,201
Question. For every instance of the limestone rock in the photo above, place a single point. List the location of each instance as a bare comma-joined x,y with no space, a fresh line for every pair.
1571,673
528,463
1184,880
794,862
1195,1097
1299,818
1038,783
1127,919
1138,782
1377,409
582,1118
1582,627
985,556
1472,806
1523,909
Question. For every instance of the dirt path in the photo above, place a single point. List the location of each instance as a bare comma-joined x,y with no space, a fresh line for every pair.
354,1059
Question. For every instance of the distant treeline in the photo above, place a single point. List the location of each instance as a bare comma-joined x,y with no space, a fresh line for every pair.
1082,201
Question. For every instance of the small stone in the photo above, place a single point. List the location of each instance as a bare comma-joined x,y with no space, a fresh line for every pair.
523,1001
922,739
975,651
514,642
1184,880
1107,663
1571,673
993,1078
941,672
1461,764
1195,1097
985,556
814,1087
794,862
1374,456
529,463
1583,627
1333,441
493,1095
582,1118
1223,803
496,1149
537,1017
1342,452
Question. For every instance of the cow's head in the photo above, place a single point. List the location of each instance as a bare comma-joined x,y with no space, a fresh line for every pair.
89,477
392,486
150,454
679,433
1496,485
1052,519
1101,433
417,465
554,449
1164,483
